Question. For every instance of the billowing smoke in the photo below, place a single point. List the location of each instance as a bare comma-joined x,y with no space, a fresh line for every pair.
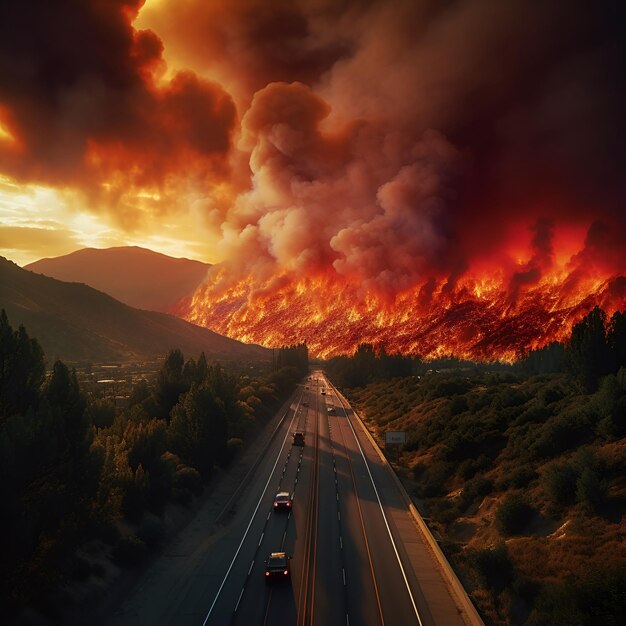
394,141
81,97
397,146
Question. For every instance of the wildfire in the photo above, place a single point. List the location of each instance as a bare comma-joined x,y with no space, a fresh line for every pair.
475,320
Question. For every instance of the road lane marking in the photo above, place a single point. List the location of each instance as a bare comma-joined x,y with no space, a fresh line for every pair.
367,547
393,543
245,534
239,599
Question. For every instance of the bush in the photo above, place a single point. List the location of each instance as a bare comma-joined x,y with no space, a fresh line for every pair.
600,598
561,433
591,489
458,405
493,567
188,478
234,445
521,477
471,467
129,551
513,515
559,484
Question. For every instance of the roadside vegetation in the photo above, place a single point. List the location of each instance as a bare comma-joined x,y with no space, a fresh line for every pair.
83,483
521,473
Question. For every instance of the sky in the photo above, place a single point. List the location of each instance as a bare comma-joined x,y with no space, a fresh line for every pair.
409,153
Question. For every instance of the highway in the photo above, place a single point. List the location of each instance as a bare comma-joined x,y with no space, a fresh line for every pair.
358,557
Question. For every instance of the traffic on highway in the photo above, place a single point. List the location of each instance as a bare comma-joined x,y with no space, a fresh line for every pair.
320,534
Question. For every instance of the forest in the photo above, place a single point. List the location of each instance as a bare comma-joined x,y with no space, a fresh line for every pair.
75,468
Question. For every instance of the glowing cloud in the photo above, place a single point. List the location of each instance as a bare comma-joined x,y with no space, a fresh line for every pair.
429,176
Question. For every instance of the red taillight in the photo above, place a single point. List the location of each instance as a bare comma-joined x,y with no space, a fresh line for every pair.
288,503
286,572
267,573
275,504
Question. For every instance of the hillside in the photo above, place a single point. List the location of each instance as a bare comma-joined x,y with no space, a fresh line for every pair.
523,479
78,323
138,277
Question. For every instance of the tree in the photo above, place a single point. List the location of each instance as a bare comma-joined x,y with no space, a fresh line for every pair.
169,384
198,431
21,369
587,354
616,339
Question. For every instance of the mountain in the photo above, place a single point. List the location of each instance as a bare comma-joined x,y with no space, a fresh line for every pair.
75,322
141,278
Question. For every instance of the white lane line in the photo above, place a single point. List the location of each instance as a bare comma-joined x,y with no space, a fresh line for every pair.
340,544
393,543
239,599
261,539
251,566
347,620
245,534
343,569
338,515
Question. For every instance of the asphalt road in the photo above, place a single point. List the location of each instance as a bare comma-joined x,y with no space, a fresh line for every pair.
357,556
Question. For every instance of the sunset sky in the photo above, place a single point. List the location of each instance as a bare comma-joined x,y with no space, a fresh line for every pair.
401,146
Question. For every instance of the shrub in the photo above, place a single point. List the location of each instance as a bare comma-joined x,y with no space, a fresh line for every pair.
591,489
559,483
493,567
561,433
513,515
435,479
600,598
188,478
521,477
458,405
470,467
233,447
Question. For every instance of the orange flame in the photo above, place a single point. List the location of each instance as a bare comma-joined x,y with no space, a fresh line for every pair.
475,320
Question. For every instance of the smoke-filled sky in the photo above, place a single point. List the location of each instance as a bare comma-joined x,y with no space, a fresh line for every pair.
389,144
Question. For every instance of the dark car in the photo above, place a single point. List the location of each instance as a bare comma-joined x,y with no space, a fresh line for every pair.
331,409
298,438
283,501
277,568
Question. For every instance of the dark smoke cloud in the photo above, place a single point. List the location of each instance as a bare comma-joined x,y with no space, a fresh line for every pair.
392,142
79,92
528,97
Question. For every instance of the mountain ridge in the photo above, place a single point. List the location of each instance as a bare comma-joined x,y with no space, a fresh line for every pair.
133,275
76,322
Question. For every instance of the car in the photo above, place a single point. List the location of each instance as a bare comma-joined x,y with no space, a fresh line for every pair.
323,392
298,438
331,409
283,501
277,567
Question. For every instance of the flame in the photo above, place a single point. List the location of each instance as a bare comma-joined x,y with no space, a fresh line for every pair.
475,320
